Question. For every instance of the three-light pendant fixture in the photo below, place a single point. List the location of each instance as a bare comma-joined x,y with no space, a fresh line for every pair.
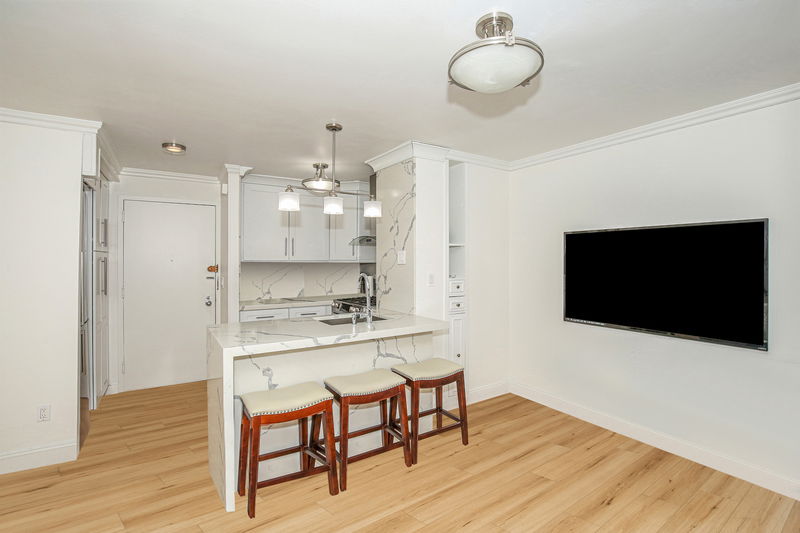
321,184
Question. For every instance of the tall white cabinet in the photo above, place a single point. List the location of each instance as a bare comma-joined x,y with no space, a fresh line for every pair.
456,286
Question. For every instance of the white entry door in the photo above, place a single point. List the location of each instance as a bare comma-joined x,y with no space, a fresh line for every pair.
168,293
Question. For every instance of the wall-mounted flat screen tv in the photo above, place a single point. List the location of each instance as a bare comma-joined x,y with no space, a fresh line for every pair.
705,281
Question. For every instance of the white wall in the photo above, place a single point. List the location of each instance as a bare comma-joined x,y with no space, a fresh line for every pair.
40,192
731,408
133,187
487,285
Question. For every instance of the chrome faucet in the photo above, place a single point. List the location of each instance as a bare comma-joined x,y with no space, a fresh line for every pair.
368,289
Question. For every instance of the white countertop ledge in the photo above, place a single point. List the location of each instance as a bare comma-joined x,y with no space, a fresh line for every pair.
271,336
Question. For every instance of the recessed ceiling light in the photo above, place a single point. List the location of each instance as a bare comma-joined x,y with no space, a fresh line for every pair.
173,148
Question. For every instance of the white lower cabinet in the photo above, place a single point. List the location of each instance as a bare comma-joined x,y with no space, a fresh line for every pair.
263,314
458,343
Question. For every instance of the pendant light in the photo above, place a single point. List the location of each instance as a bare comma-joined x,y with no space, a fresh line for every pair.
372,208
288,200
333,205
498,61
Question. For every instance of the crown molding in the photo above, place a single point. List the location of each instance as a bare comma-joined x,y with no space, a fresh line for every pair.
237,169
109,164
405,151
736,107
164,175
28,118
481,160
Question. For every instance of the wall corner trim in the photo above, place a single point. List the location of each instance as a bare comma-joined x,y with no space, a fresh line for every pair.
743,105
689,450
485,392
165,175
56,122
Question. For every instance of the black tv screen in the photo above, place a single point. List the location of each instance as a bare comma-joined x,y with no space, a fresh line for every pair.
705,281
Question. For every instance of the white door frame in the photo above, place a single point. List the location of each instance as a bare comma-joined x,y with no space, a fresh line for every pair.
115,289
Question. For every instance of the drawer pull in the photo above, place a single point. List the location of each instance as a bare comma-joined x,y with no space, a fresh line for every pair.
270,316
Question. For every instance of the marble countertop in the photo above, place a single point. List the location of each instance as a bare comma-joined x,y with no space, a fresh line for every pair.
282,303
270,336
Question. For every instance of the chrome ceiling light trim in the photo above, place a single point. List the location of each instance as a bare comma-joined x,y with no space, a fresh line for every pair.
494,29
173,148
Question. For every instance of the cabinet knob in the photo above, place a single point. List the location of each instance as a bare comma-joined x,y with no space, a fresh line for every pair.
458,355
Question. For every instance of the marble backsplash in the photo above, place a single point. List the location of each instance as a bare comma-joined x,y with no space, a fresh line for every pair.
291,280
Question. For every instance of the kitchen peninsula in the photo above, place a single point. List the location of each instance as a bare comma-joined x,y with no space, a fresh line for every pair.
264,355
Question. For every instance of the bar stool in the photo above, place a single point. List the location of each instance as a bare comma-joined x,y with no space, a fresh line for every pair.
434,373
295,402
374,386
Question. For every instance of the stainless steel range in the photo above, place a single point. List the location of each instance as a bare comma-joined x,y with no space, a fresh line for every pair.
352,305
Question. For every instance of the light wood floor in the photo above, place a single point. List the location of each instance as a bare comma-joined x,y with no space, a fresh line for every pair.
527,468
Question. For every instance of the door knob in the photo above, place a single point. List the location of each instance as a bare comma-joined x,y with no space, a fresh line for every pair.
209,303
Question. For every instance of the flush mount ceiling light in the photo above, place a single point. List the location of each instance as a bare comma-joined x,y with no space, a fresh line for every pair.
173,148
498,61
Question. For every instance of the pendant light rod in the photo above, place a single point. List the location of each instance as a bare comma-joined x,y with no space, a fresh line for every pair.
333,127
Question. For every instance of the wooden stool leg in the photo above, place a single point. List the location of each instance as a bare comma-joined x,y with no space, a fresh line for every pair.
392,417
414,419
439,407
244,445
384,424
462,408
255,443
344,424
408,453
303,427
316,423
330,450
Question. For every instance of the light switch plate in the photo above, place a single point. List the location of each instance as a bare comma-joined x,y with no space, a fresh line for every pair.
401,257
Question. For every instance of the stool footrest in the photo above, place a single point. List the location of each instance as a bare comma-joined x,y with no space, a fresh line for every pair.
376,451
436,431
293,475
279,453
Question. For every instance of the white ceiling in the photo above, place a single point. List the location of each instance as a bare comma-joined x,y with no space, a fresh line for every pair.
254,82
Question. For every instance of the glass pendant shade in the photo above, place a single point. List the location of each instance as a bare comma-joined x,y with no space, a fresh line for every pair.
497,67
288,200
372,209
333,205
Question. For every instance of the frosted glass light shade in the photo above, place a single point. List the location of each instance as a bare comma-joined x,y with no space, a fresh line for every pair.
288,201
495,68
333,205
372,209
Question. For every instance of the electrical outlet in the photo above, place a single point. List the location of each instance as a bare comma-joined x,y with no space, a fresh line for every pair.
431,279
44,413
401,257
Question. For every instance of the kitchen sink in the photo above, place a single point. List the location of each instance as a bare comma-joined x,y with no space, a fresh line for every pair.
347,320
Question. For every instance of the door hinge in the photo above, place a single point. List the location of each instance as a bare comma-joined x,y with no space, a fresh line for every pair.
122,292
123,367
123,215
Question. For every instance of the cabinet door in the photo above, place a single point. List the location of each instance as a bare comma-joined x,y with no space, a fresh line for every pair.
458,344
344,228
309,236
265,230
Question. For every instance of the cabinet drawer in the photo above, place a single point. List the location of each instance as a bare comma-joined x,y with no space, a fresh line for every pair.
456,286
300,312
265,314
457,304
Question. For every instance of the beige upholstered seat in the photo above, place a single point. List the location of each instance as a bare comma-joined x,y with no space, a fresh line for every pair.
284,399
434,368
365,383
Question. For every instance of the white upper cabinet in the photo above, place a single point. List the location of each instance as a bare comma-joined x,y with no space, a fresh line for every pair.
344,228
308,230
265,230
307,235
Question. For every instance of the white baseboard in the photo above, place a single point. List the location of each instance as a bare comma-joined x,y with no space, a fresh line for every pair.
729,465
484,392
15,461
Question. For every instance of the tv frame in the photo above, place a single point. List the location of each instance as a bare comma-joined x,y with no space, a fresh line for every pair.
761,347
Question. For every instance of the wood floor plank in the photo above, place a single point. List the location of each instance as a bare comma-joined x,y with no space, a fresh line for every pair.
528,468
